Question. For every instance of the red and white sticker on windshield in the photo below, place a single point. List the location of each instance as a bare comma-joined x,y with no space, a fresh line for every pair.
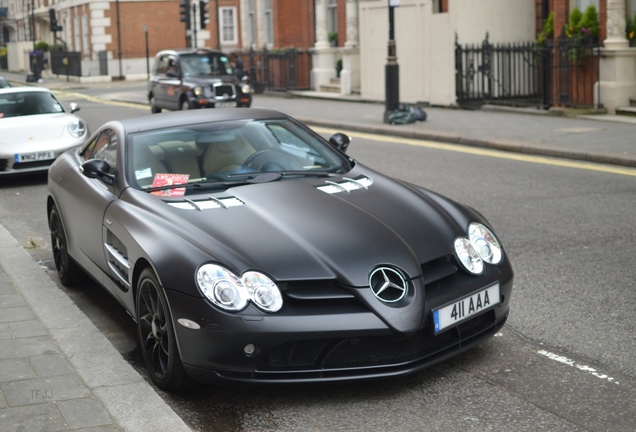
165,179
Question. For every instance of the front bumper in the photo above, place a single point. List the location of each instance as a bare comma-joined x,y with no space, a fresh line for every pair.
339,341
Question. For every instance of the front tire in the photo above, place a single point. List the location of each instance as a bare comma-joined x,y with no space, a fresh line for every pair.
156,335
67,269
185,105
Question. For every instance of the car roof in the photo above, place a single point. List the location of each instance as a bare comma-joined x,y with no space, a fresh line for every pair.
192,117
179,51
24,90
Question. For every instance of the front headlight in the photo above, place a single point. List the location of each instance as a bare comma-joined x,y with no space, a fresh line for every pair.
485,242
198,91
229,292
480,246
468,256
245,88
77,128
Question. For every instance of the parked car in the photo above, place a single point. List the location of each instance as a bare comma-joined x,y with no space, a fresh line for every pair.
35,129
195,78
249,249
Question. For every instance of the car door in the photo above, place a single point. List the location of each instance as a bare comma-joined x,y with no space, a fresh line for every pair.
168,82
85,201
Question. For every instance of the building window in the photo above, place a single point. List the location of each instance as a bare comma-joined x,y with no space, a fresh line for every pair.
583,4
332,16
85,44
77,43
269,23
251,17
228,25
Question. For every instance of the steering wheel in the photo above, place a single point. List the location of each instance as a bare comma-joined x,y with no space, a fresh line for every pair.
266,160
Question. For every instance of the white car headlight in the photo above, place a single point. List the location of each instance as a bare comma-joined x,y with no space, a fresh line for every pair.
229,292
198,91
485,242
77,128
468,256
245,88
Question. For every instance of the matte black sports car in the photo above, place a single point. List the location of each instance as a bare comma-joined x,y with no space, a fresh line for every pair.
250,249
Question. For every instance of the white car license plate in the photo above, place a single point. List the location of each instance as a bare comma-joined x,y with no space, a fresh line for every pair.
34,156
465,308
225,105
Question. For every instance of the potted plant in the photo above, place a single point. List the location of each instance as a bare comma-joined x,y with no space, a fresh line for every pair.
333,38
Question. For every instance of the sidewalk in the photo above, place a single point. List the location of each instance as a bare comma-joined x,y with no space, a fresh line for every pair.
58,372
601,138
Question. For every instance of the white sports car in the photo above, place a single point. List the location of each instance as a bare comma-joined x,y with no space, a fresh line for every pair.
35,129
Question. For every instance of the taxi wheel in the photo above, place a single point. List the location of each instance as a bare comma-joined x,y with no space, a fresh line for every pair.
185,105
153,106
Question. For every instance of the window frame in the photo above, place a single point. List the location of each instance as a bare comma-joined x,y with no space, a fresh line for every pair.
223,25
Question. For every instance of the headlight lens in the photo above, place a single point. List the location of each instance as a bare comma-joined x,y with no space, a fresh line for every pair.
245,88
229,292
198,91
77,128
485,242
468,256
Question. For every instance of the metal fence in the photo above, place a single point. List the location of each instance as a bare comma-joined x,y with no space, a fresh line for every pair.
278,70
66,63
559,73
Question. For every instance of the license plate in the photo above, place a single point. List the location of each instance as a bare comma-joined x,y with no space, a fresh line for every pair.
34,156
465,308
225,105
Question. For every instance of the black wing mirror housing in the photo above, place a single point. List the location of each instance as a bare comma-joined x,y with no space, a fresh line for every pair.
74,107
340,141
98,169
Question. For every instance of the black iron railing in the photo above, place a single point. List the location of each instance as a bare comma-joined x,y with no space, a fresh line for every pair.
559,73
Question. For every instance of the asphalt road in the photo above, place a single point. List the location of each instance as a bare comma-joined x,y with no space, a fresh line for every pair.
564,362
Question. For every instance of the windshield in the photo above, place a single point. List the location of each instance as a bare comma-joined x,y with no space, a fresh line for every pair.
16,104
205,64
218,155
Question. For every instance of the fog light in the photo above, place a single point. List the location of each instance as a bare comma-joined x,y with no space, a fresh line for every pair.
249,349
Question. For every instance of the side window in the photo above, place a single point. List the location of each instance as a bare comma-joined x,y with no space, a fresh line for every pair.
103,147
166,63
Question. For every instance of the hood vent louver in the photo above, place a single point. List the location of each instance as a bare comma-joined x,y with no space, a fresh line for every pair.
208,203
347,185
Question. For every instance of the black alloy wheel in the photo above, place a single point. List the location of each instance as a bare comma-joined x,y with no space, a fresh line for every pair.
67,270
156,335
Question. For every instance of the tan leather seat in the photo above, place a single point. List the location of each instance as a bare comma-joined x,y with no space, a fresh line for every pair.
181,158
146,165
225,151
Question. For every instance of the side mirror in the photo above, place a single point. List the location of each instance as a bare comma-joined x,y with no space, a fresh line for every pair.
74,107
98,169
340,141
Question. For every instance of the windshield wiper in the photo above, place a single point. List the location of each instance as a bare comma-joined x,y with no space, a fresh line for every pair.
263,177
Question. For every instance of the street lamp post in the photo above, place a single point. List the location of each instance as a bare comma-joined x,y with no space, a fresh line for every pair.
392,69
121,75
145,28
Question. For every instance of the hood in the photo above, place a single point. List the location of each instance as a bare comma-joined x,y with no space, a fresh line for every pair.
295,229
35,128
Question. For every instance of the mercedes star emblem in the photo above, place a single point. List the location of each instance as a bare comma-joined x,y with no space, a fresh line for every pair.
387,284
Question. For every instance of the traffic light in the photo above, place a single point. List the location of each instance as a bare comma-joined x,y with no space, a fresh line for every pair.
184,13
53,21
204,16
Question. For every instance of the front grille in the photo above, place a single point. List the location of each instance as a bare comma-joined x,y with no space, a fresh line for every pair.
224,91
3,164
35,164
373,351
